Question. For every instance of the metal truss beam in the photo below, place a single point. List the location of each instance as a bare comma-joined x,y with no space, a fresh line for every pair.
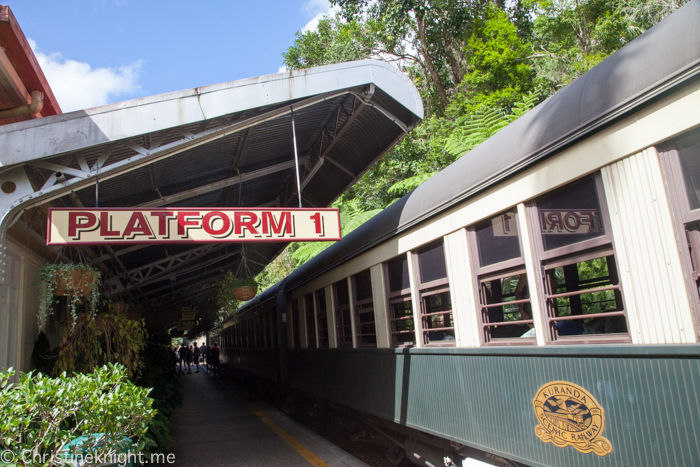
118,253
59,184
220,184
337,133
236,160
147,271
177,267
192,292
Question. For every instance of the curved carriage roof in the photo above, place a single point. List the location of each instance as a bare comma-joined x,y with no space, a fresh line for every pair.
658,60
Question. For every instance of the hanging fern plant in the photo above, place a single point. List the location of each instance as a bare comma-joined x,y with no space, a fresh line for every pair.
79,282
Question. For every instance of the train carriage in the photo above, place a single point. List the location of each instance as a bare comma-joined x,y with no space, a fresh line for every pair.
537,301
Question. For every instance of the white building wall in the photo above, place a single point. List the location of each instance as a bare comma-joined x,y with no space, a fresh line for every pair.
655,295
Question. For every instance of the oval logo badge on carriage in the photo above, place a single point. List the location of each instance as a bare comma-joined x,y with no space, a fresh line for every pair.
570,416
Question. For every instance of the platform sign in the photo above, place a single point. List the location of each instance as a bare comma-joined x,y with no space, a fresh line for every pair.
185,325
98,226
188,313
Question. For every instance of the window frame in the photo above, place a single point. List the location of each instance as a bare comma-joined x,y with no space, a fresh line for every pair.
310,308
399,296
585,250
498,271
486,338
343,341
687,240
359,310
428,289
575,248
317,308
295,323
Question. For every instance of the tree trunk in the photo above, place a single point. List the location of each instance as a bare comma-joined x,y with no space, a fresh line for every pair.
457,71
429,63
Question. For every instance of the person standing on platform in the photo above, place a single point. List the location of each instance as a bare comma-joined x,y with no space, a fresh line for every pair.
214,357
196,356
188,358
204,349
180,355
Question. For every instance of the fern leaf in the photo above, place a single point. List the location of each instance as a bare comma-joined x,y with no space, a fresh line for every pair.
410,183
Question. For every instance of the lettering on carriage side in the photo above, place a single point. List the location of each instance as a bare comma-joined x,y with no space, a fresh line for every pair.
570,221
570,416
504,225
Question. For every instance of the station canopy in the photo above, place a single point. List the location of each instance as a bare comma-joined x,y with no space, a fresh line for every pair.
225,145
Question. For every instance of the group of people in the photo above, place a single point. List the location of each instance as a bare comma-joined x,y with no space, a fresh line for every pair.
189,355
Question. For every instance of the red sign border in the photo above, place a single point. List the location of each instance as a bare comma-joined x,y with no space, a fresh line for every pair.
187,242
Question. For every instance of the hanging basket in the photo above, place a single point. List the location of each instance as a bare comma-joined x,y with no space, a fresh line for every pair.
77,280
245,293
120,307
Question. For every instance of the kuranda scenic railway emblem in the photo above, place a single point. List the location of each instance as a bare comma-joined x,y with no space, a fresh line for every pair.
570,416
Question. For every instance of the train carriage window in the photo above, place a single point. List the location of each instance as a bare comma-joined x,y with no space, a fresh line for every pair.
401,322
342,314
310,321
364,310
689,155
322,319
582,290
504,296
273,327
256,332
296,333
437,323
681,159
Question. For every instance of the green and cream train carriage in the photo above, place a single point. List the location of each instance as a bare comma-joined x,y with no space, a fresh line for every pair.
537,300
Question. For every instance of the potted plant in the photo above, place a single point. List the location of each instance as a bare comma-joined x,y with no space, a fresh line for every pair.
76,281
244,288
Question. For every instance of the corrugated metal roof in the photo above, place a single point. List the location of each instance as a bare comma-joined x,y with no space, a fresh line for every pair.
339,123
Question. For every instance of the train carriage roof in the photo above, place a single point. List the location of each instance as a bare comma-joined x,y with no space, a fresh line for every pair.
663,58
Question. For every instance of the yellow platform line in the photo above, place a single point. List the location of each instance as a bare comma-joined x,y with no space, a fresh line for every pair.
289,439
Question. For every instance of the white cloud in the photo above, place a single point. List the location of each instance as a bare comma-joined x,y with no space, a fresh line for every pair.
282,69
319,9
78,86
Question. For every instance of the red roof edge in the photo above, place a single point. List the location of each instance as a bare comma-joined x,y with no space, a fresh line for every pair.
17,48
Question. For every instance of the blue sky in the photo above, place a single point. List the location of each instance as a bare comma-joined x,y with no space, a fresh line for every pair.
96,52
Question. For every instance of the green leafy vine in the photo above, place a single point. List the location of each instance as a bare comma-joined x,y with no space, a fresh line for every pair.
67,275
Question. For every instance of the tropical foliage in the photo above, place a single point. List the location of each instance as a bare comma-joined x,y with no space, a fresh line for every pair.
98,340
80,281
40,415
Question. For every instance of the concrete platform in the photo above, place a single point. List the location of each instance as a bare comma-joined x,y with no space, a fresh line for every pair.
215,427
